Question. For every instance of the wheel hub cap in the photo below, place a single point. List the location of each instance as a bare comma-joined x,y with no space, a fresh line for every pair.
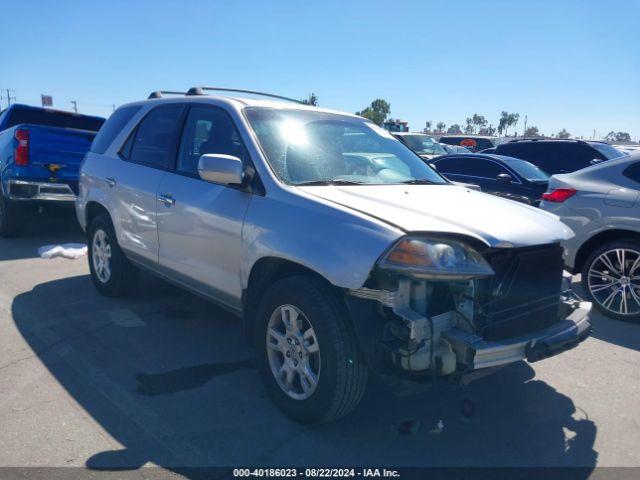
101,255
293,352
614,281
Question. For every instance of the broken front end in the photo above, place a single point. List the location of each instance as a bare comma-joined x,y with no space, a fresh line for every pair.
445,307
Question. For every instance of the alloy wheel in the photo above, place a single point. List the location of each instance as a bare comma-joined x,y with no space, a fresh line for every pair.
614,281
293,352
101,255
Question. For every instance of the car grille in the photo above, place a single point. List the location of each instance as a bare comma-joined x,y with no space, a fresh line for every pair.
524,294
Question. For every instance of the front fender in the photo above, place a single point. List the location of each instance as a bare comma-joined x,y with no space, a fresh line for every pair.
340,245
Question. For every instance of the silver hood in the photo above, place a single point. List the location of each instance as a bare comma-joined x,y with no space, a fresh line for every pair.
450,209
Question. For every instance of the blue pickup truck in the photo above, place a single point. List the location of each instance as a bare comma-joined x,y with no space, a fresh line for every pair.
40,154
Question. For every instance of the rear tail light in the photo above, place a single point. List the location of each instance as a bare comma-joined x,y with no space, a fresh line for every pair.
21,153
559,195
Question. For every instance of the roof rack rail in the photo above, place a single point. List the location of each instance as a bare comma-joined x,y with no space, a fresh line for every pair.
201,91
161,93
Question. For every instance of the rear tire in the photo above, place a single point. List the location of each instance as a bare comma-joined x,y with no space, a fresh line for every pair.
334,378
605,281
111,272
10,221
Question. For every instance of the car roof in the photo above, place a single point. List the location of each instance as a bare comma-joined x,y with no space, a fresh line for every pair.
462,135
487,156
239,102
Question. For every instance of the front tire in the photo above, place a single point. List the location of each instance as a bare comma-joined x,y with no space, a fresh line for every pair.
307,351
111,272
611,279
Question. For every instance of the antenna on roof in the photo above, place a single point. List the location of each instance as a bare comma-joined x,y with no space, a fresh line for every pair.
201,91
162,93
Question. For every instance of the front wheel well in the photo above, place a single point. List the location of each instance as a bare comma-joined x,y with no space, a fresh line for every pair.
264,273
93,209
600,239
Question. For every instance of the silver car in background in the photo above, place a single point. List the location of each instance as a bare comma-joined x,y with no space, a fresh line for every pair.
601,204
338,247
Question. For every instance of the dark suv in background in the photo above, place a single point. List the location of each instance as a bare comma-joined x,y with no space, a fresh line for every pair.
559,156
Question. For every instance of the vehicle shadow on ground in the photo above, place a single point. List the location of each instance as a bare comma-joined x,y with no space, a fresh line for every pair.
617,332
53,226
169,376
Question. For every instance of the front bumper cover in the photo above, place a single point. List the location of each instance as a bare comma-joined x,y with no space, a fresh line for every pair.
560,336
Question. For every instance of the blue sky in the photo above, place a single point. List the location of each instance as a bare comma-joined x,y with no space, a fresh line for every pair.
565,64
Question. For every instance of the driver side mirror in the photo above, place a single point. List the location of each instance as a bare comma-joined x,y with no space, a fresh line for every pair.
504,178
221,169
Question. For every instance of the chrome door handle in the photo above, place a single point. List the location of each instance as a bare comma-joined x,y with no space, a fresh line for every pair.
167,199
110,181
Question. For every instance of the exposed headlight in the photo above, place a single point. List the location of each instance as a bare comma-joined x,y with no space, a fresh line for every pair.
435,259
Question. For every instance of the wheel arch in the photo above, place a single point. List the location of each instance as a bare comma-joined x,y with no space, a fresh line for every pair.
265,272
93,209
600,239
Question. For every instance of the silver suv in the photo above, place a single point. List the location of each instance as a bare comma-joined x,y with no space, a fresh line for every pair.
339,248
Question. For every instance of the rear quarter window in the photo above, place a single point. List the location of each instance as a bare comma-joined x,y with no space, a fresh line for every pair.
632,172
112,128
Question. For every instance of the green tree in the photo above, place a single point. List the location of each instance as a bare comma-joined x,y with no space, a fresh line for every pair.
563,134
618,137
478,121
377,112
532,132
312,99
507,120
440,126
469,127
454,129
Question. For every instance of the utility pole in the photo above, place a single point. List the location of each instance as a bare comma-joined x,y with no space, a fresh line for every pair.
525,126
9,97
75,105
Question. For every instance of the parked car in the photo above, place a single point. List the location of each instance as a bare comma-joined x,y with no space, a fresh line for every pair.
601,205
454,148
338,261
422,144
40,153
475,143
507,177
559,156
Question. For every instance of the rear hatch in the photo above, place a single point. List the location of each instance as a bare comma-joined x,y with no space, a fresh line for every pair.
55,153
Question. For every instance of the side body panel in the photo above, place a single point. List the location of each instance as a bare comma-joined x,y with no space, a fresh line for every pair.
200,236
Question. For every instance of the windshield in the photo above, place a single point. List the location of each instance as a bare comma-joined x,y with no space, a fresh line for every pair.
608,151
307,147
527,170
424,145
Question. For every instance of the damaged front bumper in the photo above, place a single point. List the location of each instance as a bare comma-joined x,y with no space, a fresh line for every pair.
448,345
477,353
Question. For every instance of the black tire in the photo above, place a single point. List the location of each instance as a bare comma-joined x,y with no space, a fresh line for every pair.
629,245
10,220
343,375
123,274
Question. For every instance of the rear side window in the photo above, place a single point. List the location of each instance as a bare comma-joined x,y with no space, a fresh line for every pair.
155,138
452,165
112,127
53,118
551,157
632,172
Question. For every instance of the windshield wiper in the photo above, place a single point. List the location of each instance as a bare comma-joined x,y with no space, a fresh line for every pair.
420,181
337,181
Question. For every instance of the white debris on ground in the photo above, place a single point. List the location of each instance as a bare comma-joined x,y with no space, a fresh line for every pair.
72,251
